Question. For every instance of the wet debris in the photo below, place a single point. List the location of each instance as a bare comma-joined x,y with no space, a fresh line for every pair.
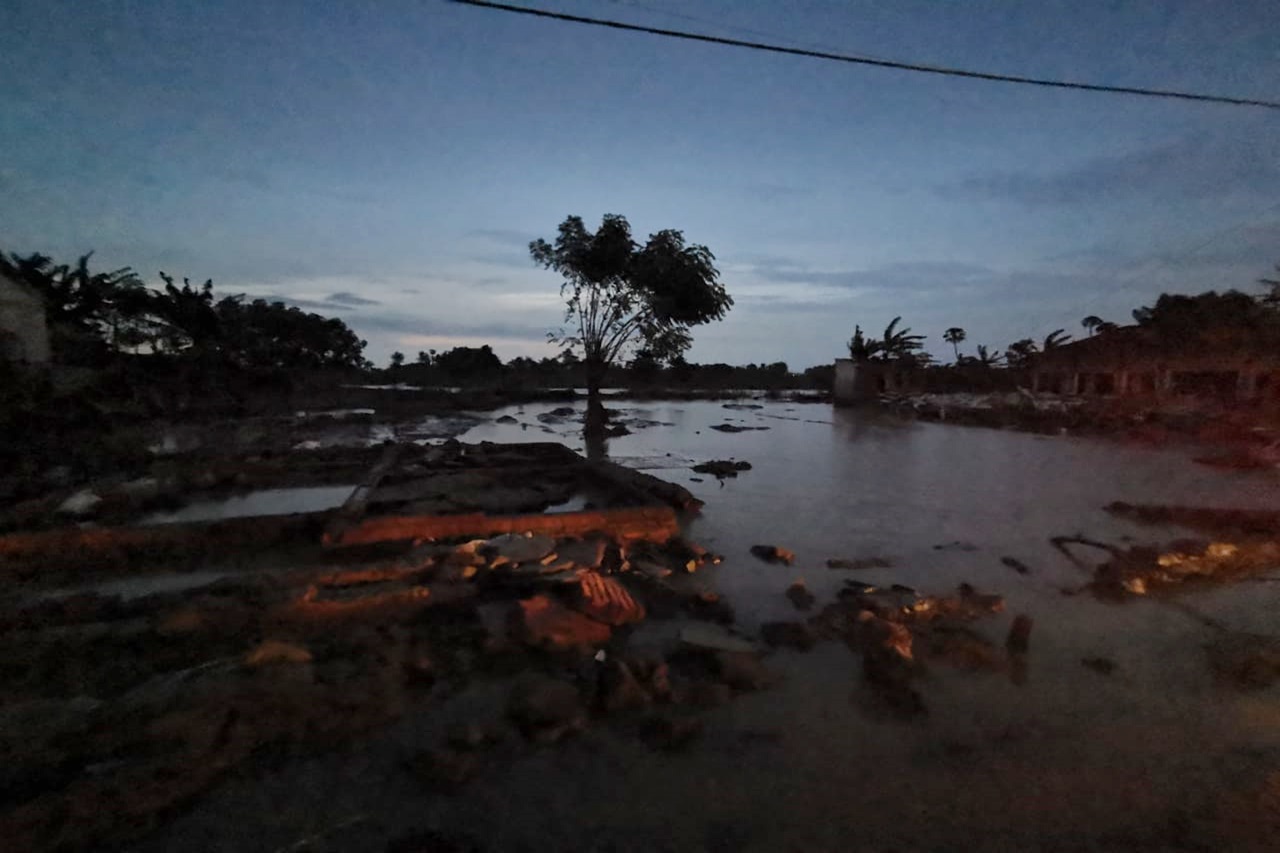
605,600
1211,520
898,632
1245,661
1100,665
546,623
1016,564
514,548
1019,638
860,563
800,596
773,554
722,468
670,731
735,428
795,635
546,709
956,545
710,637
1142,569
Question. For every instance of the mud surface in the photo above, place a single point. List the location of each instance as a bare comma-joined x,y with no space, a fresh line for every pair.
1060,719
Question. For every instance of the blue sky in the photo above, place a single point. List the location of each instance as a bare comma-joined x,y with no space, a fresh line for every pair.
388,162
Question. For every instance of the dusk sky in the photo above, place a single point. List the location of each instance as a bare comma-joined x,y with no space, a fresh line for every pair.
389,162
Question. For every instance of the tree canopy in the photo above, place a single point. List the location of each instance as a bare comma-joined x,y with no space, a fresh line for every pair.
621,296
97,315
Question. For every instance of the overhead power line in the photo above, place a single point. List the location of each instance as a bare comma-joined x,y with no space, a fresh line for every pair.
881,63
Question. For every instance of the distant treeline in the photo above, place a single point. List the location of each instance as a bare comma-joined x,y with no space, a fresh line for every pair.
478,366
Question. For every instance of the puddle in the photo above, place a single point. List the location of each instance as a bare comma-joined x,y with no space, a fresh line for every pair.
264,502
577,503
336,413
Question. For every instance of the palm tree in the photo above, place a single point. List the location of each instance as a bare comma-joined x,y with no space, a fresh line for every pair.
954,336
1055,339
899,343
986,358
1020,353
1091,323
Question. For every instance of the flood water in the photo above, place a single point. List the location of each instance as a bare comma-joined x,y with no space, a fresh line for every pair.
1065,759
260,502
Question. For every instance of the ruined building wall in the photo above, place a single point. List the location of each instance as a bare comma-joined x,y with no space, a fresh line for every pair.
24,334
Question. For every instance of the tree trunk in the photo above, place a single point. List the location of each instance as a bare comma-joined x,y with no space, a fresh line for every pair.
595,408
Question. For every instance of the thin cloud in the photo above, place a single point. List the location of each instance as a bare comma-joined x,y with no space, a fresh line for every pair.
1192,169
344,298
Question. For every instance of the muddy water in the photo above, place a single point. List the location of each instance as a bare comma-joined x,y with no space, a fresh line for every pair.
1067,759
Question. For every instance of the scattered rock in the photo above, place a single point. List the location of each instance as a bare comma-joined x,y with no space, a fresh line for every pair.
722,468
650,568
505,419
703,694
1102,666
430,841
773,554
443,770
860,563
956,545
962,647
277,651
548,623
472,736
545,709
1019,634
1017,565
1245,661
703,635
711,607
619,689
670,732
800,596
617,431
743,671
796,635
495,621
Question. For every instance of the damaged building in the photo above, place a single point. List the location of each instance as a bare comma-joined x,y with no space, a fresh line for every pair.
24,333
1132,361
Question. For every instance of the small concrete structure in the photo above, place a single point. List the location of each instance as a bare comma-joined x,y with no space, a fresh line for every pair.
864,381
24,332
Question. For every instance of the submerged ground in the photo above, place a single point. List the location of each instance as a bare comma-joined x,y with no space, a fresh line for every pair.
1143,747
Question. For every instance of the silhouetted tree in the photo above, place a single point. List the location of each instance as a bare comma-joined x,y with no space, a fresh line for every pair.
899,343
397,359
621,295
987,358
1091,323
1054,339
1020,353
469,362
860,348
954,336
